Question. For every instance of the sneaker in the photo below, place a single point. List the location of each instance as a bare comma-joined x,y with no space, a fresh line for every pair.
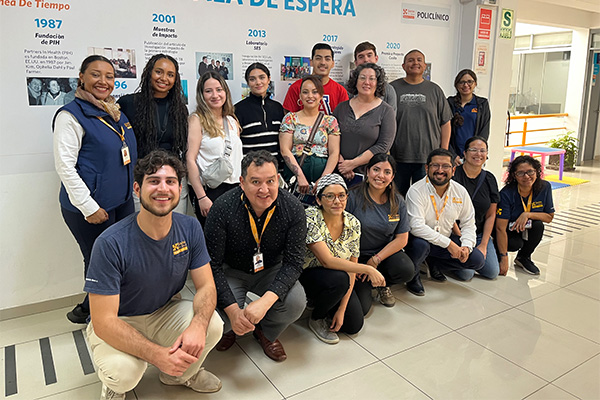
385,296
202,382
320,328
109,394
527,265
78,315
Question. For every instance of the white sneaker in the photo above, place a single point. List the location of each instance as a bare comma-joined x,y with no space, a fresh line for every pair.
202,382
385,296
320,328
109,394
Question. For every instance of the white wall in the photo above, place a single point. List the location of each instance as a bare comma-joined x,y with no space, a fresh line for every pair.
39,258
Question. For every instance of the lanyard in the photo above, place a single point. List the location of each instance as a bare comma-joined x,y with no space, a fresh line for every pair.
253,225
121,135
527,207
438,214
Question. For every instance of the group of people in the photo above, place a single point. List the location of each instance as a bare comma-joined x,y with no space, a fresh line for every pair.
355,149
51,91
217,66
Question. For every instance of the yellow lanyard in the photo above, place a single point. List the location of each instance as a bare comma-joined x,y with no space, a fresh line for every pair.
121,135
528,207
253,225
438,214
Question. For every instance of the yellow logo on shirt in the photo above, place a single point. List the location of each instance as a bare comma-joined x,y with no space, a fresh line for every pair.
457,200
499,212
537,204
179,247
393,218
474,109
127,125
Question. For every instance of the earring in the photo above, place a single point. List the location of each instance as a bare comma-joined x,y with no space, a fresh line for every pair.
299,102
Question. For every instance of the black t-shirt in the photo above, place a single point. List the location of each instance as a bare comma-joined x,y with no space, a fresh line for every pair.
487,194
163,124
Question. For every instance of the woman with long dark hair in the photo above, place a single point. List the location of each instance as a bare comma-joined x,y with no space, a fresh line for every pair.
94,155
214,133
471,112
383,218
158,113
525,204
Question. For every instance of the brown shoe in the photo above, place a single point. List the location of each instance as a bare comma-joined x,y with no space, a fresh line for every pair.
227,340
273,350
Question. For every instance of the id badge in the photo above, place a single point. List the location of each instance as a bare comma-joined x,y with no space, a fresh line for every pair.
125,154
258,262
437,228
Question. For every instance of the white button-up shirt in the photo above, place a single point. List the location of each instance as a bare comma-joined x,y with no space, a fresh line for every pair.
423,217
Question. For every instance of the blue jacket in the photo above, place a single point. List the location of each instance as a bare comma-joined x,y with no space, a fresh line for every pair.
100,163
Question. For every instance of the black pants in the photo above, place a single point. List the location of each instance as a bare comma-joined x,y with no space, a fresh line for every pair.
212,194
85,233
397,268
526,247
326,288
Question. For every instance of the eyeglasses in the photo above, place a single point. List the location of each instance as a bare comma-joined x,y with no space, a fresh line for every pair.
331,197
470,83
445,167
520,174
473,150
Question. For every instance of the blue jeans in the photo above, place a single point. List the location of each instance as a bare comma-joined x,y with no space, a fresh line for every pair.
490,269
441,258
405,172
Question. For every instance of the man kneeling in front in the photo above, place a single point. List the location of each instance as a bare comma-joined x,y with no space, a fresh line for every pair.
137,269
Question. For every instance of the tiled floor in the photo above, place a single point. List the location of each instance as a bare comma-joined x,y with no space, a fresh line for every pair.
513,338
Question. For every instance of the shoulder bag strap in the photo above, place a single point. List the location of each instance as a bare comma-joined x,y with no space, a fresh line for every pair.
227,150
479,182
311,137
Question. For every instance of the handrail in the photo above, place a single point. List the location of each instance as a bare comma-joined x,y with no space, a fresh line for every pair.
526,116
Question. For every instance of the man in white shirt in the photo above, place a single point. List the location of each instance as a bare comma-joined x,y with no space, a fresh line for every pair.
435,204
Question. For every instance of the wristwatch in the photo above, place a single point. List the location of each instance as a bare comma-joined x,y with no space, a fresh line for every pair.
503,254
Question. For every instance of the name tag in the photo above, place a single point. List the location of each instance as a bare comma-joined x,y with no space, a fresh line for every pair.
537,204
393,218
456,200
125,154
258,262
127,125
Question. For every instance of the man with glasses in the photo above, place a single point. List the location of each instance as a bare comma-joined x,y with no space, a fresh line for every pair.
434,204
255,235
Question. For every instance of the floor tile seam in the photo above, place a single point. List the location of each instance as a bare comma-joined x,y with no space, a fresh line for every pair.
543,387
505,358
519,304
484,319
583,294
66,391
414,346
333,379
261,371
49,337
568,372
427,315
364,348
561,327
406,379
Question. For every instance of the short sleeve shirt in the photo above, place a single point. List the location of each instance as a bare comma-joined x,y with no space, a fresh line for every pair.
346,246
145,272
301,133
485,196
378,226
511,207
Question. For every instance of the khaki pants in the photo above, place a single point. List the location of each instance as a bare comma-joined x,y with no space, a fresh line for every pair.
122,372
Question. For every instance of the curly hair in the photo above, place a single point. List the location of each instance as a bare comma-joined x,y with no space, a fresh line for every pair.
379,73
511,179
207,119
154,161
457,119
390,191
146,131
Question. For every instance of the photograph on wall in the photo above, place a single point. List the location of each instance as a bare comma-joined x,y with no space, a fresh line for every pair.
184,86
246,90
122,59
51,91
294,68
427,72
222,63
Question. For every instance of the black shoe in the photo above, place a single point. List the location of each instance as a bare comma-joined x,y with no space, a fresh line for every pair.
78,315
527,265
415,286
436,274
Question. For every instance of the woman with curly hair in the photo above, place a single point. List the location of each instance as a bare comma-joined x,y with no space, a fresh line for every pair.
214,133
158,113
367,123
525,204
471,112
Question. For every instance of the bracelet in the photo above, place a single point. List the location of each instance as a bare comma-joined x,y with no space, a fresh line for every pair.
503,254
200,198
376,258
